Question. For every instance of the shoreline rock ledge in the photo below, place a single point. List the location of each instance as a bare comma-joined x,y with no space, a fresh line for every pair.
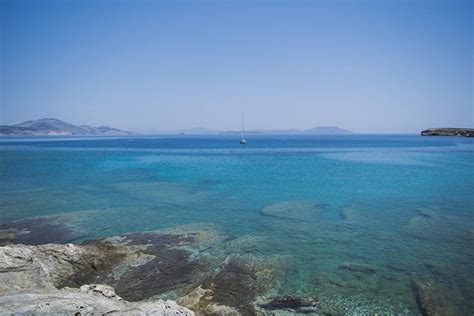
30,278
467,132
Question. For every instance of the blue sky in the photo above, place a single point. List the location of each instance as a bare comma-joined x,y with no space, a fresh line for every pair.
370,66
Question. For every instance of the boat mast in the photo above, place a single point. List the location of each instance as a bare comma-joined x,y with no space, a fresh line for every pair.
242,132
242,139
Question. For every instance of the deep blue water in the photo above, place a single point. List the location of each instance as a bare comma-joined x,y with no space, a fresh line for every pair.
403,204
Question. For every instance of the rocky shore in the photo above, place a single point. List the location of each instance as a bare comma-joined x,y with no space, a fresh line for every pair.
197,269
31,278
171,272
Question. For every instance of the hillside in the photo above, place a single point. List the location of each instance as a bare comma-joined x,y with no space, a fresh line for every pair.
55,127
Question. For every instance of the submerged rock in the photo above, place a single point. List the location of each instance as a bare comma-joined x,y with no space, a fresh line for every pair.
430,298
234,288
201,300
423,227
296,210
350,214
36,231
433,227
358,267
230,289
291,303
428,213
171,268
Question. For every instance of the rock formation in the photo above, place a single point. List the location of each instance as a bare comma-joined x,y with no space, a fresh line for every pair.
31,278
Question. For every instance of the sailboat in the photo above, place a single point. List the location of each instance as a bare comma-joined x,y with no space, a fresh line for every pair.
242,139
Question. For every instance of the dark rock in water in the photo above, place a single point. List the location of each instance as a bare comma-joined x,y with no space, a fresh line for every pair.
358,267
438,269
232,286
430,299
349,214
467,132
426,213
423,227
36,231
170,269
287,302
295,210
93,266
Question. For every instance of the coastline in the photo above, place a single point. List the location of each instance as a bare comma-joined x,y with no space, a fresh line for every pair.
169,272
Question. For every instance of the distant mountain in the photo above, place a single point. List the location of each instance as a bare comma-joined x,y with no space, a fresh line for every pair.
327,130
51,126
198,131
252,131
322,130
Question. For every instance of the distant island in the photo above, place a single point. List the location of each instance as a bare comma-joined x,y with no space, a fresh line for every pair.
321,130
55,127
467,132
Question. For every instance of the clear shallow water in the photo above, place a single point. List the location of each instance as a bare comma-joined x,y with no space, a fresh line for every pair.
400,204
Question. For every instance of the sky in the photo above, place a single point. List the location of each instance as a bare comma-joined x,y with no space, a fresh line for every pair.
369,66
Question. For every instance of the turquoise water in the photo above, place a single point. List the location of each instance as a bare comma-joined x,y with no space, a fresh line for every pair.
401,204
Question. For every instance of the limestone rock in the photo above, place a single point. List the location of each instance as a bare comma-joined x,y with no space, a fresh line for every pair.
72,301
31,278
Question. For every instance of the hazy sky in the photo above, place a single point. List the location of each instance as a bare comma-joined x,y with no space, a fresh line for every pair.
372,66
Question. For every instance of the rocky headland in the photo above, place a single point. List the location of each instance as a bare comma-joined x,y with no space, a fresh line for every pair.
467,132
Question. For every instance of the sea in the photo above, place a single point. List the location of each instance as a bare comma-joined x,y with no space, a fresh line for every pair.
365,223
